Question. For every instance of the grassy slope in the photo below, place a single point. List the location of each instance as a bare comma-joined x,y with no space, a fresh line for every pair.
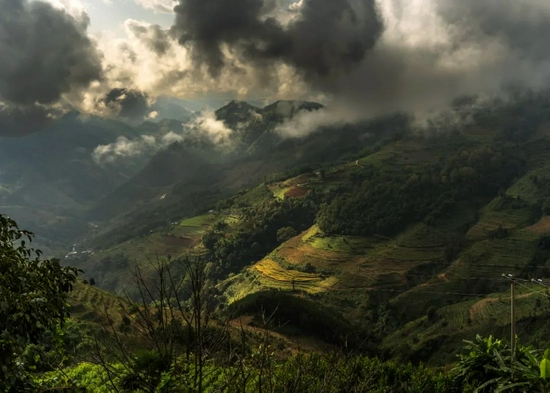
181,238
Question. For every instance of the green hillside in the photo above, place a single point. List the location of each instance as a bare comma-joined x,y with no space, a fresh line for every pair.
407,239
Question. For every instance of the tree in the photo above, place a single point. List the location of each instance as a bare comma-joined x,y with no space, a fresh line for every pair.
286,233
32,300
172,319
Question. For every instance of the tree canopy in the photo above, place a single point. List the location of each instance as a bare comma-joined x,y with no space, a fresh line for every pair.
32,300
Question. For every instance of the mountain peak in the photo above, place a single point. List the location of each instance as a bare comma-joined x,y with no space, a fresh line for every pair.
237,106
236,112
288,108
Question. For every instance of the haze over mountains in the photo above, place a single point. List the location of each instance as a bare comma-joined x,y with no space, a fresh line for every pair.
59,175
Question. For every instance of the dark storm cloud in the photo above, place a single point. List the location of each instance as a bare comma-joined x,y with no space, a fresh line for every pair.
380,56
491,45
328,36
44,53
154,37
127,104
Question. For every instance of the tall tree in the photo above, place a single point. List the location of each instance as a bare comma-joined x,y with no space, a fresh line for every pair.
33,300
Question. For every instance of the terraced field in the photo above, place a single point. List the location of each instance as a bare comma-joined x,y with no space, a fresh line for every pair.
350,263
512,252
486,308
541,227
196,225
479,134
404,152
91,304
272,275
399,254
492,219
181,238
296,253
293,188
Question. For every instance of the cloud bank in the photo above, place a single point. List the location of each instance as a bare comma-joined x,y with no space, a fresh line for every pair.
362,58
206,127
124,148
209,126
374,58
47,57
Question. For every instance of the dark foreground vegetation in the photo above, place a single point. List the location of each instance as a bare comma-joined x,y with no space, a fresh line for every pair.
175,339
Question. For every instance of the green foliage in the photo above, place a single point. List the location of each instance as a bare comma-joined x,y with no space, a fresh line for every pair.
33,300
492,366
386,201
286,233
145,373
263,228
277,177
84,377
545,365
260,372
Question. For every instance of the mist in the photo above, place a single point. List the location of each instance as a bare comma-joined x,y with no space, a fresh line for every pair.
367,58
360,58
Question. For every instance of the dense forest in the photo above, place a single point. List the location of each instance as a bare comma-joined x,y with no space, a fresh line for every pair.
386,201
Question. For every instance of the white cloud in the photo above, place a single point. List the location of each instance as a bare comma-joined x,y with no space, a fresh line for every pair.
125,148
308,122
148,139
76,8
170,138
166,6
296,6
215,129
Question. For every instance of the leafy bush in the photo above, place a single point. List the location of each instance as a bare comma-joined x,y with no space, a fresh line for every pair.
493,366
85,377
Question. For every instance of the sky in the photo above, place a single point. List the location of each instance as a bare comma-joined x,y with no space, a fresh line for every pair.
111,15
363,58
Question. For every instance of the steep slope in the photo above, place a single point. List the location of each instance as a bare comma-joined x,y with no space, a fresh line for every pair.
190,176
